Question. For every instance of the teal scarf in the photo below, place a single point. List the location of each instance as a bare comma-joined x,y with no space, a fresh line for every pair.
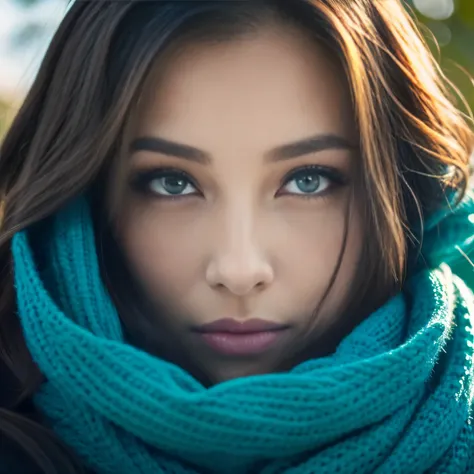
396,396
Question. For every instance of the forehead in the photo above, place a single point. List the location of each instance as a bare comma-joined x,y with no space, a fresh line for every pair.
255,91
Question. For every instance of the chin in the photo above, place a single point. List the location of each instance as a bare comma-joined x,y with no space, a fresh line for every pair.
230,370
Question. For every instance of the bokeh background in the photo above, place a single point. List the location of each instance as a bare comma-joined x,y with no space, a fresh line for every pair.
26,27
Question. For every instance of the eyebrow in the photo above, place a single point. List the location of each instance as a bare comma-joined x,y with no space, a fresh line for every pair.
306,146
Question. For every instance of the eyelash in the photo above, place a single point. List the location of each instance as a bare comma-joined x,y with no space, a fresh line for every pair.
140,181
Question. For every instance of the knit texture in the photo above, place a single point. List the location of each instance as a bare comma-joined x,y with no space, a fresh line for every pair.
396,396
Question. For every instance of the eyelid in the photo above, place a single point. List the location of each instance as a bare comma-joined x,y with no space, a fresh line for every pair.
162,172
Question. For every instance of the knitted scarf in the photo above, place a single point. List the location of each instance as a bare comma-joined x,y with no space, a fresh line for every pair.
395,397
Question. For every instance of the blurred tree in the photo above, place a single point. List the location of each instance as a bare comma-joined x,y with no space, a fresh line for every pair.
6,115
3,114
449,27
28,3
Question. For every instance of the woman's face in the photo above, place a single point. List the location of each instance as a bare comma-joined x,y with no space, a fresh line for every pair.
240,176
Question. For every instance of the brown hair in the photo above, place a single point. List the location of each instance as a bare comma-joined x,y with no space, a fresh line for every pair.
414,142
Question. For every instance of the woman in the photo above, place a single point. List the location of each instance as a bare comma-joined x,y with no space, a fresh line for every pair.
235,240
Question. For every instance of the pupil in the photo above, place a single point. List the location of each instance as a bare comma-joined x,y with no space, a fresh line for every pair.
308,183
174,185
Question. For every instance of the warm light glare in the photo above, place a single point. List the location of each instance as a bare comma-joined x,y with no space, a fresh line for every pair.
441,31
435,9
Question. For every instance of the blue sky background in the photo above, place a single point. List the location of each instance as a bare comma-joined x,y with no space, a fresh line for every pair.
19,63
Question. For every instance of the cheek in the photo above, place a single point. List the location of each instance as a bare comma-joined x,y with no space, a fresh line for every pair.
163,250
311,252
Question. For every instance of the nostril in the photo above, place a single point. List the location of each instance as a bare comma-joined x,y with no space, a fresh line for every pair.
237,276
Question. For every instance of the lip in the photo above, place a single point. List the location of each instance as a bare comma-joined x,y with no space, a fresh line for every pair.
231,337
237,327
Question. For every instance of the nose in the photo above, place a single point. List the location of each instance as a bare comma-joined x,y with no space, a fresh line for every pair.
238,262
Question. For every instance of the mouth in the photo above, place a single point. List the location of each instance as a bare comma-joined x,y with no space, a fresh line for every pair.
234,338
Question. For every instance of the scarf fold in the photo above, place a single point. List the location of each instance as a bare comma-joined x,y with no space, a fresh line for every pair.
395,397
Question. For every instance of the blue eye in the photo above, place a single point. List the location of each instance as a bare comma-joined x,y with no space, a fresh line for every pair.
307,183
312,181
163,183
171,185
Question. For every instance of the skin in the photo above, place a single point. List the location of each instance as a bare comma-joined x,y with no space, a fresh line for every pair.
241,242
